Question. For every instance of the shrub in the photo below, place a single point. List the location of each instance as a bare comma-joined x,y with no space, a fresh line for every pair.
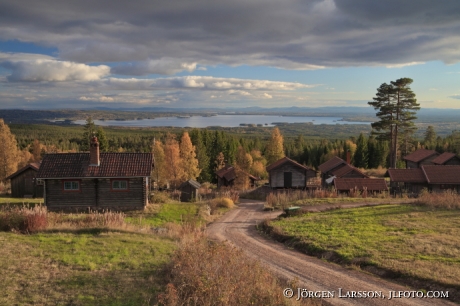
223,202
448,199
216,274
160,197
24,219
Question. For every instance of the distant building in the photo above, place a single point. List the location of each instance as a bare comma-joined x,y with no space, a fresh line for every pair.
189,191
420,157
81,181
372,185
24,183
447,159
286,173
227,175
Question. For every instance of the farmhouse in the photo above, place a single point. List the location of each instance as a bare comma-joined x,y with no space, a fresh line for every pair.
360,184
420,157
79,181
286,173
227,175
24,183
189,190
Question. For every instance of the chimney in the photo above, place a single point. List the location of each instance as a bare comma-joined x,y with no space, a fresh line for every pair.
94,152
348,157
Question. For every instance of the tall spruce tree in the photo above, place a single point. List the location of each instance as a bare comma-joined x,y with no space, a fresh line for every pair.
360,158
396,105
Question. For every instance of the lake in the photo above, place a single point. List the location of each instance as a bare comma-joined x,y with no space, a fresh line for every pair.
220,120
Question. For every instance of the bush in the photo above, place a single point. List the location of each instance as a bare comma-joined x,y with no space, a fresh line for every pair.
25,219
223,202
448,199
216,274
160,197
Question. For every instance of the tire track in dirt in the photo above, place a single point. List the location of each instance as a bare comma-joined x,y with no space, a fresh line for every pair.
238,228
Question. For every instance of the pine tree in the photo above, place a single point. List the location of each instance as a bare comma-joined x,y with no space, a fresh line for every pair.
102,138
274,150
396,105
360,158
9,153
189,162
89,131
201,155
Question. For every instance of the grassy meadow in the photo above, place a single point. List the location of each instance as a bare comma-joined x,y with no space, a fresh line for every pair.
417,244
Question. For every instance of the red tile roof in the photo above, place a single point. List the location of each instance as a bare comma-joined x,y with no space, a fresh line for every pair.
420,155
372,184
331,164
443,158
34,166
76,165
436,174
284,160
413,175
342,171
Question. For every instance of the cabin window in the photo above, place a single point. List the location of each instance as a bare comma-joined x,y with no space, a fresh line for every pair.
71,185
119,185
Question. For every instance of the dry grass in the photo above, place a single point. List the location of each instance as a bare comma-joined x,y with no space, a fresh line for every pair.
35,219
204,274
447,200
379,172
284,199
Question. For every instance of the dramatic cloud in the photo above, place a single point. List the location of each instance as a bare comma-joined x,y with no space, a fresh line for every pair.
290,34
40,70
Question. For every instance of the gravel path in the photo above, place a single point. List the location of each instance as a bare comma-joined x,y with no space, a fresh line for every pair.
238,228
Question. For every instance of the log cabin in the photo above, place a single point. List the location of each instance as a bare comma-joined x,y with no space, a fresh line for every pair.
420,157
286,173
24,183
96,181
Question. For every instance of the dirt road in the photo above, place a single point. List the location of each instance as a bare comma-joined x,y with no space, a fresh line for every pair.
238,228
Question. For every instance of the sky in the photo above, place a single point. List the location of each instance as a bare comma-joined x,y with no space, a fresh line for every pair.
234,53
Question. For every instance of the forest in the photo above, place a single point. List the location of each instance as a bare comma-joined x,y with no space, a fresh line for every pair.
248,148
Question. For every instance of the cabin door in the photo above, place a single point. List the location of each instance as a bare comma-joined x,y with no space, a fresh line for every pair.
287,179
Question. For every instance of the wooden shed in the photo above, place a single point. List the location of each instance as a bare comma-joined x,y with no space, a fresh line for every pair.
189,191
81,181
440,178
286,173
370,184
327,168
447,159
24,183
420,157
226,177
409,180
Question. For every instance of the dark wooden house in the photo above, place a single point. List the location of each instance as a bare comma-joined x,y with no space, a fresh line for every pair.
348,171
189,191
24,183
286,173
420,157
226,177
327,168
372,185
447,159
407,180
440,178
81,181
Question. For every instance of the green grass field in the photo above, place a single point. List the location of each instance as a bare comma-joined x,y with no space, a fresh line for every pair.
168,212
406,241
84,268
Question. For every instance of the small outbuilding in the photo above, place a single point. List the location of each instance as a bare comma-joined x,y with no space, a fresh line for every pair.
189,191
286,173
227,175
420,157
24,183
373,185
441,178
409,180
447,159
